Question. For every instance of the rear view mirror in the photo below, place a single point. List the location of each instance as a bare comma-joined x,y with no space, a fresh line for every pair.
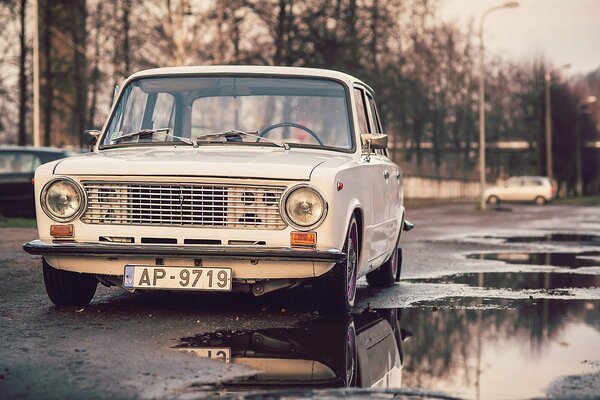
374,141
90,137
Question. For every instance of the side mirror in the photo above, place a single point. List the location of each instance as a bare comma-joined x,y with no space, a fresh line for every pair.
374,140
90,137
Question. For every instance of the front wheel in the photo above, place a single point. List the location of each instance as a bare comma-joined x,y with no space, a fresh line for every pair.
493,200
337,288
66,288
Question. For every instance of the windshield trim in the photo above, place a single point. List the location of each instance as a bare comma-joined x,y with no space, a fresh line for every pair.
349,112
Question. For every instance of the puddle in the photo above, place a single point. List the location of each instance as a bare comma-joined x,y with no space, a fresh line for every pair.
465,347
570,260
499,349
550,282
359,351
549,237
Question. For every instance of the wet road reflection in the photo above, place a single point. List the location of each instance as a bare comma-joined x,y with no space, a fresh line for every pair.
465,347
520,281
569,260
482,348
549,237
364,350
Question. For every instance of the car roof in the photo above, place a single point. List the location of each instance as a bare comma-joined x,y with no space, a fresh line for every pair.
30,149
250,70
528,177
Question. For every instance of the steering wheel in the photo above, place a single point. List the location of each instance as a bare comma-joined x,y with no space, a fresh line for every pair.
293,125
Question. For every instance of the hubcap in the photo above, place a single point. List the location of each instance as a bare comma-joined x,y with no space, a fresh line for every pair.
350,354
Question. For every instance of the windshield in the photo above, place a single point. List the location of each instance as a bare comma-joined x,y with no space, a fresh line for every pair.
295,111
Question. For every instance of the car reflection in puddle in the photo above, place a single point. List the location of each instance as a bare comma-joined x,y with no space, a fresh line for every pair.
500,349
556,259
519,281
363,351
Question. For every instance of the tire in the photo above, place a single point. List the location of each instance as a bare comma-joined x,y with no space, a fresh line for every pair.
66,288
493,200
336,289
540,201
351,357
389,272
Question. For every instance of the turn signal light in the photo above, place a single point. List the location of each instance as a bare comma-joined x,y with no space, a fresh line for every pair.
303,239
62,230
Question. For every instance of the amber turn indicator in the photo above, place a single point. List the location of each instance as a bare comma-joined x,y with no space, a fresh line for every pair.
303,239
62,230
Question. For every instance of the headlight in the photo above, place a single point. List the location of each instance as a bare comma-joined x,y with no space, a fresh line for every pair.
62,199
305,207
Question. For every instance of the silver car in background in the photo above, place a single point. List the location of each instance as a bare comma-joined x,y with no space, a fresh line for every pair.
537,189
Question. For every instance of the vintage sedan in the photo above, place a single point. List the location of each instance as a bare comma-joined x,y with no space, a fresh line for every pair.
226,178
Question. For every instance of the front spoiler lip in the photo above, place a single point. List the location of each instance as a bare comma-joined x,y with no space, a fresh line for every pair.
38,247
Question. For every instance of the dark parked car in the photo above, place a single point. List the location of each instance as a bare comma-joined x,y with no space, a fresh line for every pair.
17,165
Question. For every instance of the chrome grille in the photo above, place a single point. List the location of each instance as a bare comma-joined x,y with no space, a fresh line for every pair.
188,204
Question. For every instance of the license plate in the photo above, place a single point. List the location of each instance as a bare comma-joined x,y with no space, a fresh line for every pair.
161,277
214,353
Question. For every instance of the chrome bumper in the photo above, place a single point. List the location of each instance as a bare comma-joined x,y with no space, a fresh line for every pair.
38,247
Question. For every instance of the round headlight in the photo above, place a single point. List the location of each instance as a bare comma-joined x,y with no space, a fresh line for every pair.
305,207
62,200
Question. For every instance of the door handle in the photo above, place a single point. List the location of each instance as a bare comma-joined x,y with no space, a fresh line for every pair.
386,174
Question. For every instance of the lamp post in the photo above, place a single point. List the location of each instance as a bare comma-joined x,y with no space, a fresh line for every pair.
578,167
548,82
510,4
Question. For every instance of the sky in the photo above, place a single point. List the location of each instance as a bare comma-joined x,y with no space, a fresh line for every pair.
564,31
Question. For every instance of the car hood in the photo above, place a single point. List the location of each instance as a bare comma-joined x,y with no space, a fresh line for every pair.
208,161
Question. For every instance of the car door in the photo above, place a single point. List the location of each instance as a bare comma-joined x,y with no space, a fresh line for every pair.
392,177
512,190
376,243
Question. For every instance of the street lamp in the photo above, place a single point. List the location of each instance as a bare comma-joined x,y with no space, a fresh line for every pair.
548,82
510,4
578,167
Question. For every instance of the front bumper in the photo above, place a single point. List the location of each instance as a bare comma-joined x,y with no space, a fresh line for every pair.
38,247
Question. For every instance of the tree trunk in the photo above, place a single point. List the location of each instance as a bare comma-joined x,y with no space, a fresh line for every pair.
79,37
280,33
22,134
126,28
48,95
96,71
219,54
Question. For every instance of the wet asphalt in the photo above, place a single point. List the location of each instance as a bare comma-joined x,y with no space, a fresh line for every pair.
496,304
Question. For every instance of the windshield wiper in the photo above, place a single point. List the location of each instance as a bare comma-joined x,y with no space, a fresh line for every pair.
235,133
143,132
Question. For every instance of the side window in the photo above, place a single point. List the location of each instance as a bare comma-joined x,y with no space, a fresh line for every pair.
374,115
532,182
514,183
361,111
18,162
375,123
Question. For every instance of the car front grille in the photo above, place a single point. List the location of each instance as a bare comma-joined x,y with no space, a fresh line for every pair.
183,204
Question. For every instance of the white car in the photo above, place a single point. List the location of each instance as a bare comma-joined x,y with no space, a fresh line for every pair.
226,178
537,189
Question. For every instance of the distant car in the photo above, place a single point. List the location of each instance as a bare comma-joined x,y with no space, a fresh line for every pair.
17,166
537,189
